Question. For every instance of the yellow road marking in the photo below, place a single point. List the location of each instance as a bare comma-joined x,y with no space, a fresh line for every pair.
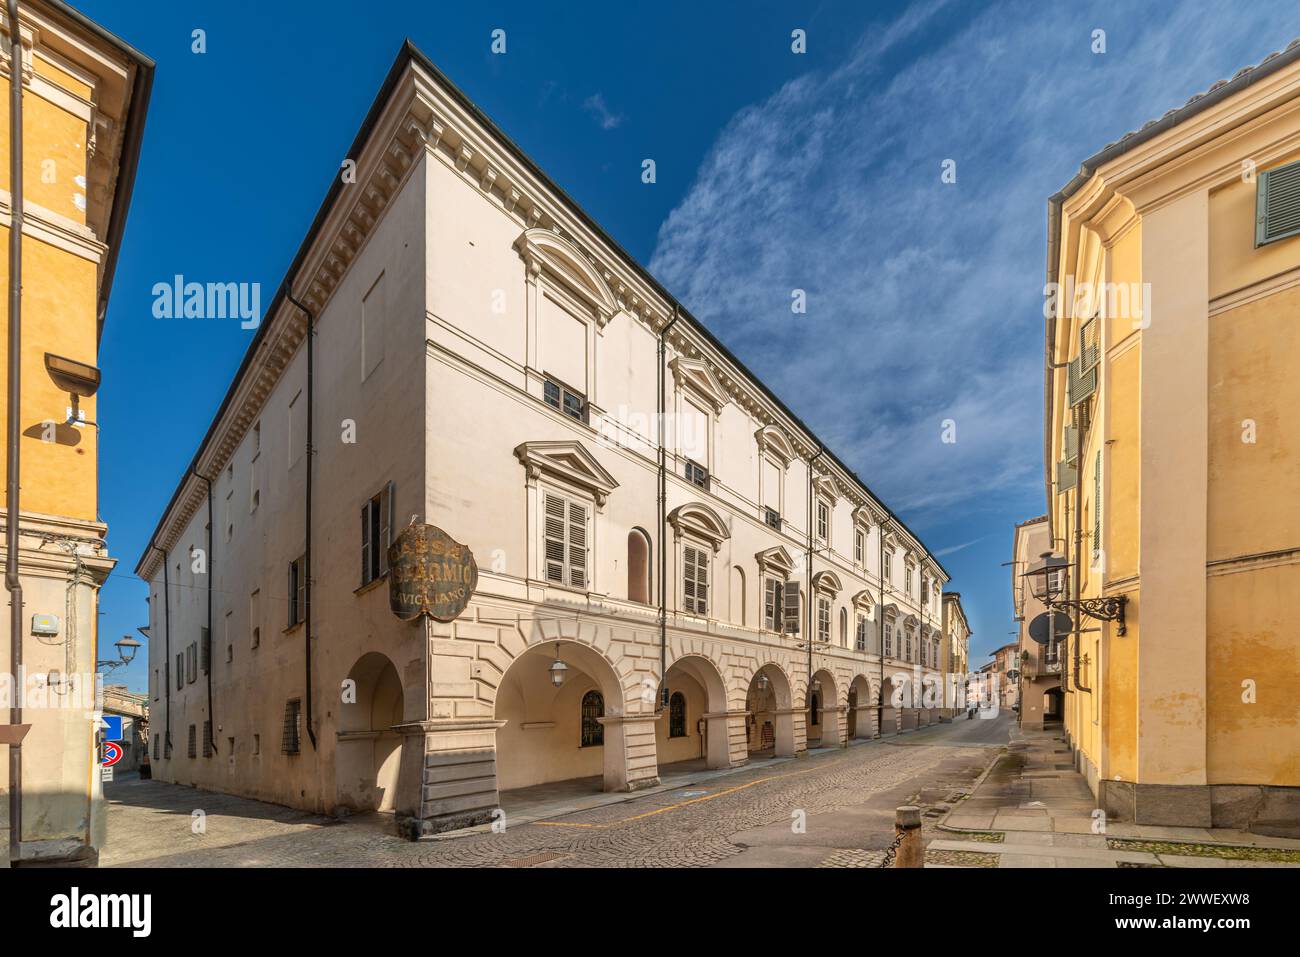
681,804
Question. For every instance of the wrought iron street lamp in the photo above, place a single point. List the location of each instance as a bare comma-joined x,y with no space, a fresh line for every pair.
1048,580
126,649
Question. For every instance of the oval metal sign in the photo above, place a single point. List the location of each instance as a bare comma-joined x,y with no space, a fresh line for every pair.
112,754
429,573
1041,628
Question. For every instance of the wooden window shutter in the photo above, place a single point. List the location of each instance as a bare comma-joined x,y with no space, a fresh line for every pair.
1277,204
387,519
577,545
791,601
365,543
554,552
1096,504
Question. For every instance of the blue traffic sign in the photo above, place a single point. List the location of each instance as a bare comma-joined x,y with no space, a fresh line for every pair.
112,727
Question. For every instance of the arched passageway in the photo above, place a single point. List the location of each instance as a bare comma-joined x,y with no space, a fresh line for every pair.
369,752
556,731
693,727
770,719
861,721
890,709
822,723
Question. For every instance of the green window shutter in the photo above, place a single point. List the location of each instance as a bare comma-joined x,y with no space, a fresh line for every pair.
1277,204
1096,504
1067,477
1089,347
1071,443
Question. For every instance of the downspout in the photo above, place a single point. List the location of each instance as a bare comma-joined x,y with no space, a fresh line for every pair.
167,652
306,560
1078,562
663,515
880,636
808,609
211,570
13,515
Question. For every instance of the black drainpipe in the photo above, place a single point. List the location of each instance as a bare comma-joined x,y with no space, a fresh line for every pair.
306,561
880,638
13,514
211,570
663,519
808,616
167,654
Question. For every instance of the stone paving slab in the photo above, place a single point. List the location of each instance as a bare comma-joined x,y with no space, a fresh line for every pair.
1056,853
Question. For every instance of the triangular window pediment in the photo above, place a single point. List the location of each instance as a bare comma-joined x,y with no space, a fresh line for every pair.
570,463
698,377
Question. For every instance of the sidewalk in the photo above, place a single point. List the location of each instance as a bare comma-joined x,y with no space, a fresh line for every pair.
1032,809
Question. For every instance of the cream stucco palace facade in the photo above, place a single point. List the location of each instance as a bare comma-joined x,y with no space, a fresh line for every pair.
485,359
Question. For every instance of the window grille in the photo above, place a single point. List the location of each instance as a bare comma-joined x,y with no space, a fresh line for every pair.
290,739
593,708
677,715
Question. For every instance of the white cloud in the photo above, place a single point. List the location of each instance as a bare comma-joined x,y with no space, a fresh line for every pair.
924,299
595,105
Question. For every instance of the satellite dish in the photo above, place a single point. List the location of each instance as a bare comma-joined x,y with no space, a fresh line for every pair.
1040,626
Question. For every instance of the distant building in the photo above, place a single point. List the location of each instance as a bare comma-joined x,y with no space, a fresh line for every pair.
956,651
133,709
1041,697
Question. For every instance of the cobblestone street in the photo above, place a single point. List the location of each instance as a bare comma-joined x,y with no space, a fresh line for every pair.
833,808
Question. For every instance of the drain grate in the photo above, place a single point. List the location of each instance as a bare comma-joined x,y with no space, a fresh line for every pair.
532,860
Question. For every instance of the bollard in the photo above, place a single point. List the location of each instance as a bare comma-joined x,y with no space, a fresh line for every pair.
907,834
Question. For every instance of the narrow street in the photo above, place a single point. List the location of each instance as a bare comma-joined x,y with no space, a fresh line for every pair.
831,808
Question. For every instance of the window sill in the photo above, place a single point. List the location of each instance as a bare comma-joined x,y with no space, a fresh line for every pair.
292,628
371,585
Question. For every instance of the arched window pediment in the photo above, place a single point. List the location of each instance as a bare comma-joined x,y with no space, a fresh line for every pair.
772,439
544,249
700,520
827,582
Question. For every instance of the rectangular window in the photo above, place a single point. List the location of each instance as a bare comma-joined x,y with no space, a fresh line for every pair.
180,671
297,590
297,432
860,636
257,744
772,518
889,640
565,545
907,582
889,566
193,748
695,580
568,401
205,650
823,619
290,739
860,547
376,535
697,474
823,521
907,645
1096,507
207,739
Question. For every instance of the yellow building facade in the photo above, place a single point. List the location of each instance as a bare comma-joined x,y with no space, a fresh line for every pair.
84,96
1172,370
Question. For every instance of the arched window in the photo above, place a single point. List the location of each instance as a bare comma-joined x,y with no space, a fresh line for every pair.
677,715
593,707
814,709
844,627
638,566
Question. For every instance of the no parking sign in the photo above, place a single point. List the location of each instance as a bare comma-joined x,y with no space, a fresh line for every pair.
112,754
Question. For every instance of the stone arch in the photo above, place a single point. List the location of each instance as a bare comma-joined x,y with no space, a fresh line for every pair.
368,756
861,716
769,707
700,679
539,739
827,731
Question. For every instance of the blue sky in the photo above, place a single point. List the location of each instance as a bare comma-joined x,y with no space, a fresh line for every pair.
776,171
